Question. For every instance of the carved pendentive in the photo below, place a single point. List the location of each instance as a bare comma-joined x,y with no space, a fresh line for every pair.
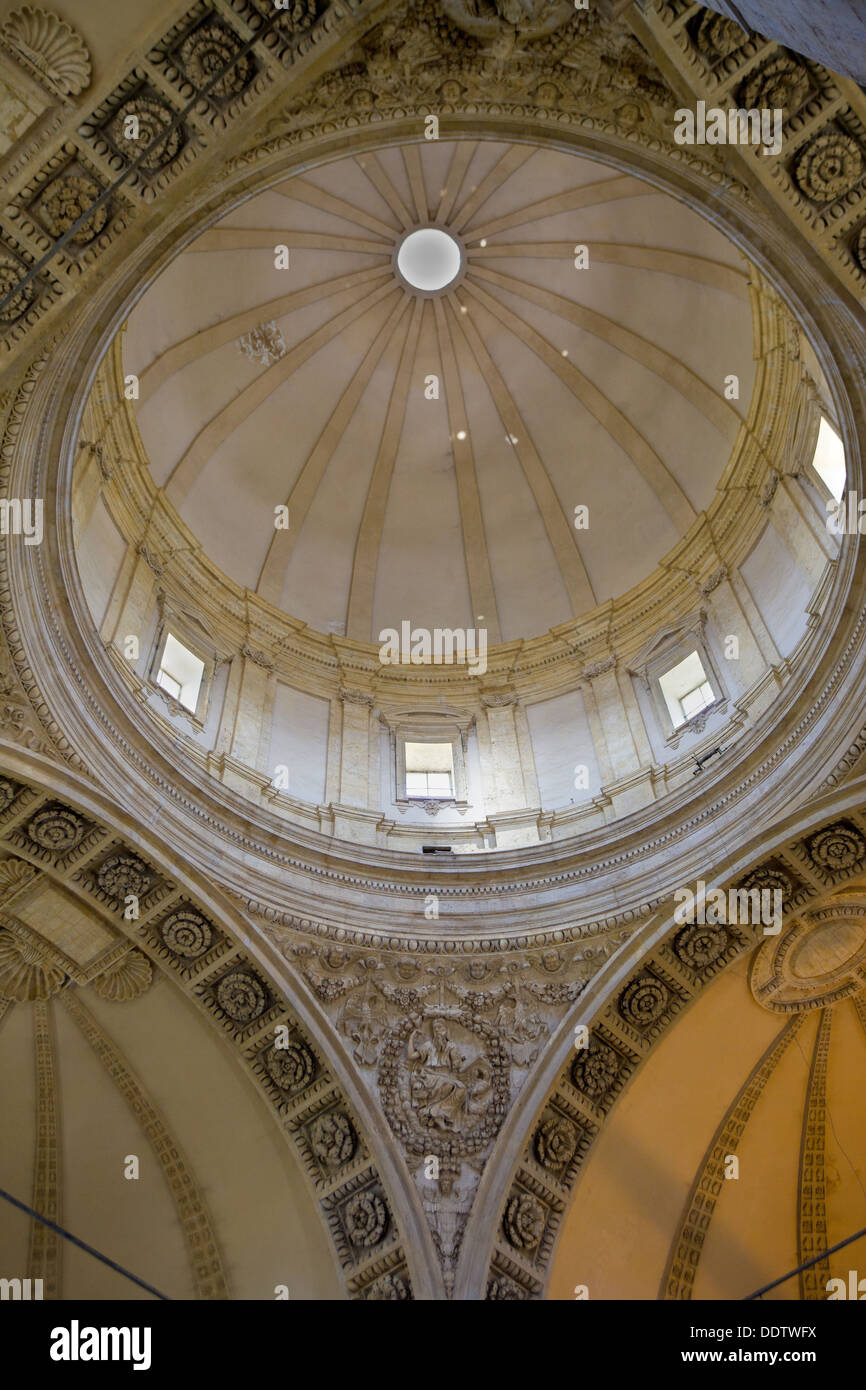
50,48
444,1086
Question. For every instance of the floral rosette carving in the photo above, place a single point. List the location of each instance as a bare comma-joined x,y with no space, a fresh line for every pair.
501,1289
332,1139
391,1288
366,1219
154,117
719,37
699,946
187,933
523,1221
836,848
8,793
57,829
860,247
643,1001
241,996
69,198
773,879
207,51
11,274
122,876
555,1142
290,1068
829,167
781,84
595,1069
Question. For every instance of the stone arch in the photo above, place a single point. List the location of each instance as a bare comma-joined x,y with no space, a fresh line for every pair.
55,825
633,1002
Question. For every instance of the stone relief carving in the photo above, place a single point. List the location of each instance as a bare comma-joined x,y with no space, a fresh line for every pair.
122,875
25,972
50,49
67,199
291,1068
719,37
829,167
446,1046
129,977
529,18
207,51
263,344
780,83
187,933
241,995
541,57
153,116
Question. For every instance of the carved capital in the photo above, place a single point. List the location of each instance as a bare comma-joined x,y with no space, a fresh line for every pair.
257,657
599,668
768,491
713,580
357,697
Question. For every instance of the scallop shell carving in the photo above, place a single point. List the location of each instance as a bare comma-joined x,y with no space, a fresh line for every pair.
24,973
126,979
49,45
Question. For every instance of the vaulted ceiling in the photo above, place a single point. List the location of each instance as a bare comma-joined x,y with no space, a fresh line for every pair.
557,386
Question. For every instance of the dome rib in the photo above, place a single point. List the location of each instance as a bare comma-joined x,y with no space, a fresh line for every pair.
188,469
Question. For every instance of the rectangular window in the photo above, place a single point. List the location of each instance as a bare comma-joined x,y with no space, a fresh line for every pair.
180,672
686,689
429,770
829,459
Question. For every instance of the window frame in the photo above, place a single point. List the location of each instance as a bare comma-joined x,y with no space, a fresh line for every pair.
184,631
666,650
416,726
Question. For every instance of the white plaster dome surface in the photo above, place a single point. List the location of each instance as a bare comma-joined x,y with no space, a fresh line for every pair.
432,450
429,259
